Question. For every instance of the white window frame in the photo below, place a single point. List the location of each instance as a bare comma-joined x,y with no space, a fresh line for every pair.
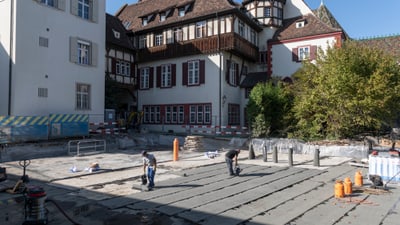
304,52
84,8
82,96
267,11
194,72
123,68
158,39
233,114
163,16
84,52
166,75
181,114
181,11
178,34
200,114
200,29
143,41
232,73
241,28
51,3
145,78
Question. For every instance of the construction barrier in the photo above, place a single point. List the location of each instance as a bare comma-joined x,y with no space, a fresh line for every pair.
68,125
23,128
217,130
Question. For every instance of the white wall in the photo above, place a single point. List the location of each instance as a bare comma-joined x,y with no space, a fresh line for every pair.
50,67
5,7
295,8
282,64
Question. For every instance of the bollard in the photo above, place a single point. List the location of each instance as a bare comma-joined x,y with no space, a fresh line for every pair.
316,157
358,179
339,189
265,154
175,149
251,152
275,154
290,155
348,186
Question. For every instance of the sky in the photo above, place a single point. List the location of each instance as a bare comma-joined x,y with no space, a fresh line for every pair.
359,18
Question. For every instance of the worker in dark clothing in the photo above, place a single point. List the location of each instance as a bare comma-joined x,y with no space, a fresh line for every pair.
230,157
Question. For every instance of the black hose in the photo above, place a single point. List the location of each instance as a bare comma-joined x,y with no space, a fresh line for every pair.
63,212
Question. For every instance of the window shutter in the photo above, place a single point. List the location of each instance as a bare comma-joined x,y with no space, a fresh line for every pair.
228,69
113,65
173,75
158,79
151,78
184,74
295,57
237,74
95,10
73,51
74,7
94,53
202,71
313,52
61,4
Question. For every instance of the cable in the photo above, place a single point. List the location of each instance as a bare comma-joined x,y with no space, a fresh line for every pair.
63,212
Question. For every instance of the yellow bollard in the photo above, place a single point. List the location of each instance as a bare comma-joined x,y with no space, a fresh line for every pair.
175,149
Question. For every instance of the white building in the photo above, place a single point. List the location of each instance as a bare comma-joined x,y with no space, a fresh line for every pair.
52,57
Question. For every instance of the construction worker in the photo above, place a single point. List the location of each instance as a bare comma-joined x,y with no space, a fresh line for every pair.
230,157
149,163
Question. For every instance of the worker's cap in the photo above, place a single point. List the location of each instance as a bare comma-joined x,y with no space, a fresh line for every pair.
144,152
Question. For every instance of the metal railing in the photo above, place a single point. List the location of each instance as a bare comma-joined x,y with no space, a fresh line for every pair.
86,147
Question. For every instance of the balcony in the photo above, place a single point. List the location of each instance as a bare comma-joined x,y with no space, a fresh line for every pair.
230,42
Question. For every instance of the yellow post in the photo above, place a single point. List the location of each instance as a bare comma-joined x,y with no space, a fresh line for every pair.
176,149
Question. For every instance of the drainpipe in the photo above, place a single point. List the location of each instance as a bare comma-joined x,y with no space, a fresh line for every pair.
220,72
11,56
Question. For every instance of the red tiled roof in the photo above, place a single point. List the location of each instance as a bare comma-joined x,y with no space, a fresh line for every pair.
390,44
114,24
133,12
312,26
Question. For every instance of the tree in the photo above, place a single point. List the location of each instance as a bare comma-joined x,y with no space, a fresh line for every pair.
349,90
267,109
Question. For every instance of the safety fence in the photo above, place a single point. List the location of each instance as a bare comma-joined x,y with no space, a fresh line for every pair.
217,130
34,128
86,147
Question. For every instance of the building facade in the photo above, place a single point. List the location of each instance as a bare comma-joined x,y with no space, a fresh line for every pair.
52,57
198,59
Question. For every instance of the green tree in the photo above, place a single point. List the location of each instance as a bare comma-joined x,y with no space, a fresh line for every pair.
348,91
267,109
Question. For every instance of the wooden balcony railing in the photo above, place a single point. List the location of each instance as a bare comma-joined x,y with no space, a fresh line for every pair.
230,42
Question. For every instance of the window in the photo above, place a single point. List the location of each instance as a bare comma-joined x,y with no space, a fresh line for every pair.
142,41
241,28
193,72
82,96
43,42
127,24
267,12
233,114
300,24
43,92
304,53
163,16
262,57
123,68
83,9
280,13
158,39
166,75
247,92
178,34
253,37
232,73
145,78
117,35
52,3
181,114
151,114
200,114
83,52
144,21
181,11
201,29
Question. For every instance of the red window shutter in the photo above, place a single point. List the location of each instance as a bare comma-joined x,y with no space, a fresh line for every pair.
295,56
313,52
151,78
202,71
228,69
173,75
158,75
132,70
184,74
237,74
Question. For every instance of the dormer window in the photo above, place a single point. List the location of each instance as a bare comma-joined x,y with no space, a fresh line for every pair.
181,11
300,24
116,34
144,21
127,24
163,16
